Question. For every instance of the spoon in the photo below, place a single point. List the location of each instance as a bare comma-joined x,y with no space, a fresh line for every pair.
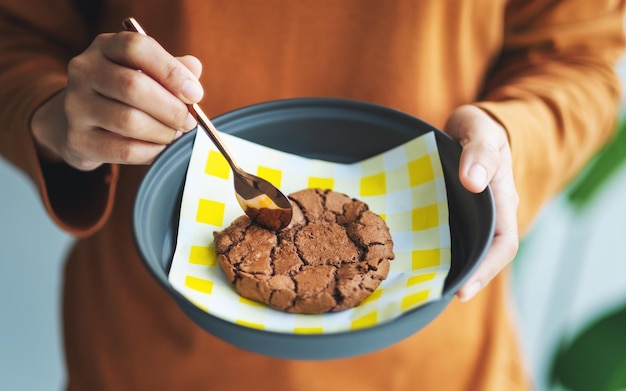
258,198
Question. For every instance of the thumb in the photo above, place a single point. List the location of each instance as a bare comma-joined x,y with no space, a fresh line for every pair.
482,139
480,159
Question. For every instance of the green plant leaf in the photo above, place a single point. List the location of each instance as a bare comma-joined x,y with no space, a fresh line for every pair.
596,359
604,165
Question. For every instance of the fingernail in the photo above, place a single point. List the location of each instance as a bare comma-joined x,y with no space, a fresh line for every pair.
178,134
470,291
190,123
192,91
478,174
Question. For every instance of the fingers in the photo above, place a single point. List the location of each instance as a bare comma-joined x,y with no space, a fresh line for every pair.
143,53
90,148
124,120
502,248
110,69
505,241
486,160
125,100
193,64
133,89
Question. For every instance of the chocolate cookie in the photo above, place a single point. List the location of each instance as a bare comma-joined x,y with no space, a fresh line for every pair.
332,256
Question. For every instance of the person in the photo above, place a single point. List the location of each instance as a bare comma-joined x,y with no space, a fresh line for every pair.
528,89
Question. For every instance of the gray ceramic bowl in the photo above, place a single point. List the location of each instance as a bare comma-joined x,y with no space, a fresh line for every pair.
331,129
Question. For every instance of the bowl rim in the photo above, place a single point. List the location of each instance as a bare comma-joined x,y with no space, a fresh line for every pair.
263,108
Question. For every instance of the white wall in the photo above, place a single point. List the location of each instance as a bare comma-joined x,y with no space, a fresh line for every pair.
31,253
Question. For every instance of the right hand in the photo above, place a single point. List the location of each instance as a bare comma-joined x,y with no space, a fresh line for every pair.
126,99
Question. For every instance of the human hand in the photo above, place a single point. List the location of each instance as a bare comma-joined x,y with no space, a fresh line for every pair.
486,159
125,101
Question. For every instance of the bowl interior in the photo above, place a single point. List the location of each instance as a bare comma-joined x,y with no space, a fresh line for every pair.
330,129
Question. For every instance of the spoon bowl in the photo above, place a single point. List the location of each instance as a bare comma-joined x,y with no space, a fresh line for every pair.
267,205
259,199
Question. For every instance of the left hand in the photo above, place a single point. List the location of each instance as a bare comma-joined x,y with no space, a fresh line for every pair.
486,160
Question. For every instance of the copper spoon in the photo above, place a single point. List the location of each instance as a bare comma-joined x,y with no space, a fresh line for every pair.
258,198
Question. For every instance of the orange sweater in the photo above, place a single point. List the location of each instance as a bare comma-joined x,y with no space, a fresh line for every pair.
544,69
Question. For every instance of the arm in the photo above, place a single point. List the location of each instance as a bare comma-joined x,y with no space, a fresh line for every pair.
33,63
549,104
99,112
555,91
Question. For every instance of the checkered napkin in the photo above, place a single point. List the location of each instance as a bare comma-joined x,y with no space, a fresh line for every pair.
404,185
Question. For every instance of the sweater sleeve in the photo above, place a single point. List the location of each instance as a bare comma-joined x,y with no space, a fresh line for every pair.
34,51
555,90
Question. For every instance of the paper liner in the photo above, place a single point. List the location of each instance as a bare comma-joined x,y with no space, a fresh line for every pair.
405,185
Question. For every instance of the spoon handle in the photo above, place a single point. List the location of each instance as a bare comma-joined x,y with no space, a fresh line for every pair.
213,134
131,24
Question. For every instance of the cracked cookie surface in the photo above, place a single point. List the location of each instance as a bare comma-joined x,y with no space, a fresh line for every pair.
331,257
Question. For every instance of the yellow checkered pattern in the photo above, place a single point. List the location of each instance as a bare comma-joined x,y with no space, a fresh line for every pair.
404,185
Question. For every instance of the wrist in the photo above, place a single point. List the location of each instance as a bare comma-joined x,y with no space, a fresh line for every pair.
47,123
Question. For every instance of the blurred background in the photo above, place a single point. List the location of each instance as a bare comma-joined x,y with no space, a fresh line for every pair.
569,282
